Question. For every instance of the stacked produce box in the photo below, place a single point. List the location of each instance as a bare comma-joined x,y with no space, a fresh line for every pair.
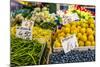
48,31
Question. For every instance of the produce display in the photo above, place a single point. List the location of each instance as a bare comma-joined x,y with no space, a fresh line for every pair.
84,30
25,52
46,32
72,57
42,35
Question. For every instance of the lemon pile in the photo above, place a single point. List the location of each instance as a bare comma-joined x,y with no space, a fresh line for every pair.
84,30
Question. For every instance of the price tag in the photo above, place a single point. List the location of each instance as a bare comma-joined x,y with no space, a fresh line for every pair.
74,17
69,18
24,33
69,43
66,19
27,23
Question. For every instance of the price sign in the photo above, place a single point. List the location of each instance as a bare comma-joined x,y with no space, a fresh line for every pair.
66,19
69,43
27,23
24,33
69,18
74,17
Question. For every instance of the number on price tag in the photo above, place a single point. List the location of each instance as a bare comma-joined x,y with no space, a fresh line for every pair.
27,23
24,33
69,43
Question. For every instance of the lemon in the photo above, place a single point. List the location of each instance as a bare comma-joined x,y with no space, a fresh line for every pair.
89,31
87,43
67,30
84,38
91,20
79,35
78,23
81,43
73,27
84,25
67,25
57,44
82,30
87,25
84,34
93,43
90,37
92,25
77,30
79,27
73,31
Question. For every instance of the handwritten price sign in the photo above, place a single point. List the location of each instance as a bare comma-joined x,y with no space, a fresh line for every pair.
69,43
24,33
27,23
69,18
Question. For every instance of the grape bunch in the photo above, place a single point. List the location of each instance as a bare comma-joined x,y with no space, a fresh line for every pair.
72,56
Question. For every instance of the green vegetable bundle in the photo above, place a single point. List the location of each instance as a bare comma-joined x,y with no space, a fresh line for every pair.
25,52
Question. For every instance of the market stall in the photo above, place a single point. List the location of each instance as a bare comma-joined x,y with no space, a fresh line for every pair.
49,33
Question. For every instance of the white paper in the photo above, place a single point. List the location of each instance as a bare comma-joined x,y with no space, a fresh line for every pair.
69,18
69,43
27,23
24,33
74,17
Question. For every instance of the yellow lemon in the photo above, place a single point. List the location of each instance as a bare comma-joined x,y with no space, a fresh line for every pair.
73,27
84,38
78,23
92,25
82,30
67,30
73,31
89,31
90,37
84,34
57,44
91,20
79,27
77,30
81,43
84,25
93,43
79,35
67,25
87,43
